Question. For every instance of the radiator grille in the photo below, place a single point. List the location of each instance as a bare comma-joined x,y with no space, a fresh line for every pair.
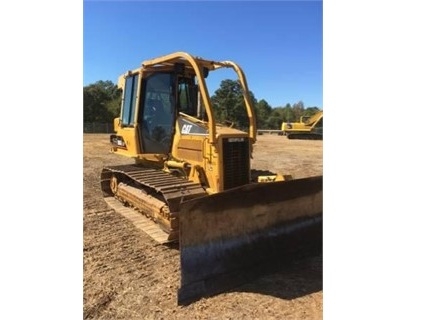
236,162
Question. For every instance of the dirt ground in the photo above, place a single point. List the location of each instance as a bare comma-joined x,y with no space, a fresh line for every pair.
128,276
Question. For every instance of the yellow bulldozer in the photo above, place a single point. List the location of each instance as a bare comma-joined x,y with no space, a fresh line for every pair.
309,127
191,178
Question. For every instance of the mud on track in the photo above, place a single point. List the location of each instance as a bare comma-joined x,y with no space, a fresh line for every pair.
128,276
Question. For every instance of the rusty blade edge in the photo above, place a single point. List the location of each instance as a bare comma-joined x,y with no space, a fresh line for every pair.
213,268
224,237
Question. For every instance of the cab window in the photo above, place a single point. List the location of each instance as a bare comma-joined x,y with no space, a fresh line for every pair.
129,103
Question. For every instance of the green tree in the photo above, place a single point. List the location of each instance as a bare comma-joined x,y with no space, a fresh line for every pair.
101,102
228,104
311,111
263,111
276,118
298,110
288,113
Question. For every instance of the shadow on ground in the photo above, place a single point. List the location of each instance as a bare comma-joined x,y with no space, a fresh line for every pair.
289,280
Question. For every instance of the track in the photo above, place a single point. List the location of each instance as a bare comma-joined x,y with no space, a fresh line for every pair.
154,193
304,136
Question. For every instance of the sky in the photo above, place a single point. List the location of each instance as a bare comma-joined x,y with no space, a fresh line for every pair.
278,44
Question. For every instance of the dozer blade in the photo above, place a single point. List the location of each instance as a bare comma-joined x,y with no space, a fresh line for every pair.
226,239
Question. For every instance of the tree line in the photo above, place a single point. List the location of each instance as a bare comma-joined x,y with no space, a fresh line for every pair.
102,99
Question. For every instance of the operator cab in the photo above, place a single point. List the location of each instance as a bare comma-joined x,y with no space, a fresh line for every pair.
158,112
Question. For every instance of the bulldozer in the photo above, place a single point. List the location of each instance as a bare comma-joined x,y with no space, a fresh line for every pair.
309,127
190,181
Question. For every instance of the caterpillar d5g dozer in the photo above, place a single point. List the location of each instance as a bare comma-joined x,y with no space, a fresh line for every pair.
192,179
307,128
